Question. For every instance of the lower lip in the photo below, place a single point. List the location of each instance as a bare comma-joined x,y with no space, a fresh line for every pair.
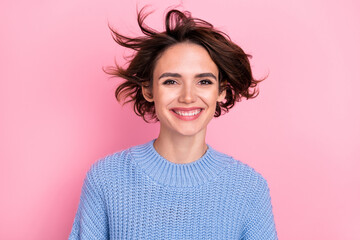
187,118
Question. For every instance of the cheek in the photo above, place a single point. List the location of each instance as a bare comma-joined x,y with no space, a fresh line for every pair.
161,101
166,96
211,97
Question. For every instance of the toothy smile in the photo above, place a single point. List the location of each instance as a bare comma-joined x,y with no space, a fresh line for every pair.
191,112
187,113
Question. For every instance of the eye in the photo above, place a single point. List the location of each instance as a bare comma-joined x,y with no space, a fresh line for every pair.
205,82
169,82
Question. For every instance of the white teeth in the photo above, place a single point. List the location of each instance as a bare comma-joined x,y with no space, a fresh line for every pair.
188,113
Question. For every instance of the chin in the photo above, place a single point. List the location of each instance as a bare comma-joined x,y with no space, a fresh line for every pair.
189,132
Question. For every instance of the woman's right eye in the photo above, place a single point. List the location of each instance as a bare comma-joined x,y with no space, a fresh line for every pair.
169,82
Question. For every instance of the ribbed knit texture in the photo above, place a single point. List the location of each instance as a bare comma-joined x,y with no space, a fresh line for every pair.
138,194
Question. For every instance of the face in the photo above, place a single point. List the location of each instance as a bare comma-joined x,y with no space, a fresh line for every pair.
185,89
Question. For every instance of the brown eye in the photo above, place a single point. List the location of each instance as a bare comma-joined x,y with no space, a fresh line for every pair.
169,82
205,82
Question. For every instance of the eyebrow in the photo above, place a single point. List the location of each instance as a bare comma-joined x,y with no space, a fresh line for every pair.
167,74
202,75
177,75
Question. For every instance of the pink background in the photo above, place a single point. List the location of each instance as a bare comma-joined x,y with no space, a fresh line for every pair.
59,114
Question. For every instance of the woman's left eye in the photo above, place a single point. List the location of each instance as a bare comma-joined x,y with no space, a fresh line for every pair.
169,82
205,82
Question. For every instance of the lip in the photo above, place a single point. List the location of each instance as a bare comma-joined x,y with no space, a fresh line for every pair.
186,118
186,109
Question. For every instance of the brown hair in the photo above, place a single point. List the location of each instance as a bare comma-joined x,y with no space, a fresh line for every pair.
235,76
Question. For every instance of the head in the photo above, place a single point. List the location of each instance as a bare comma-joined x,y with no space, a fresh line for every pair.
234,77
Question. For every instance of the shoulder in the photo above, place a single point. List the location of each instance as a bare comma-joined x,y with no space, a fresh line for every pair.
250,184
243,175
240,168
110,166
108,163
251,175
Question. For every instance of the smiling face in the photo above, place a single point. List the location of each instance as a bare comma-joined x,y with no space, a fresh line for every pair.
185,90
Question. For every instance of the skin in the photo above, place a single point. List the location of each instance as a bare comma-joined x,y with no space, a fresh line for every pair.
184,77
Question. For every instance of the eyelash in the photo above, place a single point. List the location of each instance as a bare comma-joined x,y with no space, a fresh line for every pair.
167,82
208,82
171,82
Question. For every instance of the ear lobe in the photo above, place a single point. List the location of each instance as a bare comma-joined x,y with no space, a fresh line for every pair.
147,94
222,96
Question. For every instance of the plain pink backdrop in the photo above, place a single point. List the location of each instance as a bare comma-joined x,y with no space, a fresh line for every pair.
59,114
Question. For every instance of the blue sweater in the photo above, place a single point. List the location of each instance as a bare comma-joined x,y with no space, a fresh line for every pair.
138,194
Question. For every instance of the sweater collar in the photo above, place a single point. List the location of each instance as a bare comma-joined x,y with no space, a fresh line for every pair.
168,173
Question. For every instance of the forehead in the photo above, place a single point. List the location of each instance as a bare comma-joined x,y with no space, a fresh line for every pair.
185,58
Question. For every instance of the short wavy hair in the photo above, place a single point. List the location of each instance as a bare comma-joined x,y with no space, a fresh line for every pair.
235,75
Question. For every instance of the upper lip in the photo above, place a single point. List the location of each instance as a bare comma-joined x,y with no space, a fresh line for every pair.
186,109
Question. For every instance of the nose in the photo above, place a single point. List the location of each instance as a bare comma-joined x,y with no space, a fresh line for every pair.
188,94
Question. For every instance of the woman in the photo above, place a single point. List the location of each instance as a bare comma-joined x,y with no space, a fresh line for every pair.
177,186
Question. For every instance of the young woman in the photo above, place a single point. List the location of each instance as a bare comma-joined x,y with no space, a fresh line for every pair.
176,186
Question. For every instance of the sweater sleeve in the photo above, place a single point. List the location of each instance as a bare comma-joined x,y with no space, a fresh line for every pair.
91,220
260,224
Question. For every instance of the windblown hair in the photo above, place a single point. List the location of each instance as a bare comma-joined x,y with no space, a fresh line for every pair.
235,75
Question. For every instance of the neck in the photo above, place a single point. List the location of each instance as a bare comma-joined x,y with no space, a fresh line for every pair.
181,149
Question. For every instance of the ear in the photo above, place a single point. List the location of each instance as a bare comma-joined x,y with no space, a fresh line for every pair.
147,93
222,95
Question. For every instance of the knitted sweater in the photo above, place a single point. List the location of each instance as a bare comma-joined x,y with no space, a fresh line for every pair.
138,194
